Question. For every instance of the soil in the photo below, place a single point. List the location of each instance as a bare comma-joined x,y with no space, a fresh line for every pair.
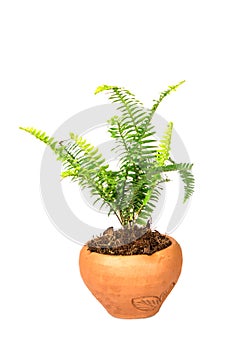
129,241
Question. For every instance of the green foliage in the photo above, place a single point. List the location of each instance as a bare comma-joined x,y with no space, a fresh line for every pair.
131,192
163,151
163,95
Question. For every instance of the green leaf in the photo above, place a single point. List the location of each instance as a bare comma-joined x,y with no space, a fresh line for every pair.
163,152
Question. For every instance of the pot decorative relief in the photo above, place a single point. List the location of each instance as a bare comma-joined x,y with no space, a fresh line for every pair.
131,286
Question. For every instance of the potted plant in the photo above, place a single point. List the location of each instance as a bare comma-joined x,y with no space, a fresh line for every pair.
131,269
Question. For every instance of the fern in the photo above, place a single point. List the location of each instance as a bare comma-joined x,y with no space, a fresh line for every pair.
185,173
135,143
164,94
82,162
128,127
57,147
163,152
41,135
132,192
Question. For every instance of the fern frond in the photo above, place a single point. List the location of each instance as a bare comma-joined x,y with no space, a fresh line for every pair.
142,162
164,94
130,129
148,118
185,173
132,110
135,154
57,147
163,152
82,163
41,135
188,180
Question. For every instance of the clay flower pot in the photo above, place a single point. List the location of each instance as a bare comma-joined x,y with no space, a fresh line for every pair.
131,286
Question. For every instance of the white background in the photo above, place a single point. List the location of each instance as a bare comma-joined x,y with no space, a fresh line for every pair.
53,55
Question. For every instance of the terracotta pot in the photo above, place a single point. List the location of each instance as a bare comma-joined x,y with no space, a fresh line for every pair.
131,286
